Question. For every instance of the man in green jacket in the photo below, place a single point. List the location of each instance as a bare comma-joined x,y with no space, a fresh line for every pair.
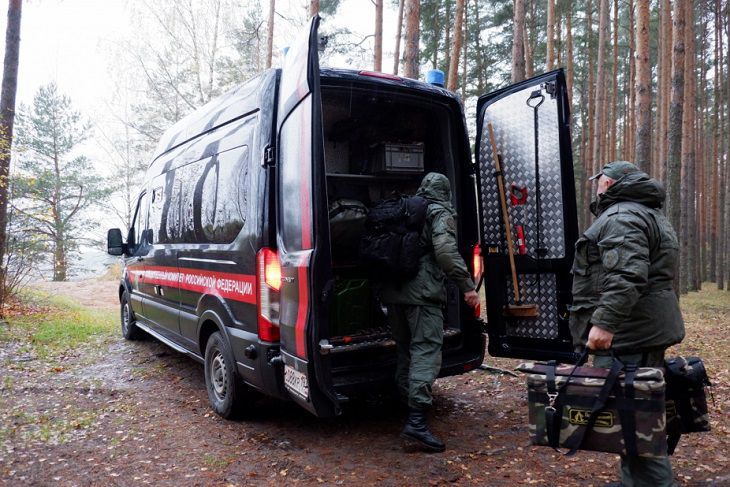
414,309
623,298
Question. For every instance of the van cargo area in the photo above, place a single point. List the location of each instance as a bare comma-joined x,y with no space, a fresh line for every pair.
378,144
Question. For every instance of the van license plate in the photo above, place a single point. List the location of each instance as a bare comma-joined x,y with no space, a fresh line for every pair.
296,382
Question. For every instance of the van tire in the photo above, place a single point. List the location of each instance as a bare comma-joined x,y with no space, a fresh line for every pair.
130,331
226,391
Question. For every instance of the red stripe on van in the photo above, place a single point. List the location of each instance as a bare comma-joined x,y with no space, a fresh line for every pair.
301,326
238,287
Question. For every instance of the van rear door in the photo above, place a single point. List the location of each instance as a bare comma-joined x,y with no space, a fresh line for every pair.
531,123
302,228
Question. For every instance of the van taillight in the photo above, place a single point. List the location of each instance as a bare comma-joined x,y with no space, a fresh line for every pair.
268,276
477,263
478,270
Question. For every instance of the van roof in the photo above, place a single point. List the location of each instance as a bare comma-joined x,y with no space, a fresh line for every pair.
247,97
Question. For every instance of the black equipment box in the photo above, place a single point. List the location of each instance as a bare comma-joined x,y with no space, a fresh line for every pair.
391,158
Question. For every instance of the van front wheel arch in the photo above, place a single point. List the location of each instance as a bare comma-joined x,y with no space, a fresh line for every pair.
226,391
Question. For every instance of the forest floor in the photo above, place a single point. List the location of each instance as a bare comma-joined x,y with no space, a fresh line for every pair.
81,406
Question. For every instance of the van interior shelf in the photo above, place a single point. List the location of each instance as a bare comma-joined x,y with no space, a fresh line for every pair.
370,177
368,339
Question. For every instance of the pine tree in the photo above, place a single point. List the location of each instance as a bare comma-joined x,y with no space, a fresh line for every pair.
518,42
410,53
674,155
642,151
53,187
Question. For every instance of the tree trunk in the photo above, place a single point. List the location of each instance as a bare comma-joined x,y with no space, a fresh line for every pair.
687,190
550,55
313,7
270,33
660,100
60,264
529,60
614,87
530,35
716,147
7,119
600,106
410,52
642,151
569,40
558,41
396,56
724,221
447,37
632,85
478,44
674,155
464,55
518,42
456,48
666,88
590,119
378,56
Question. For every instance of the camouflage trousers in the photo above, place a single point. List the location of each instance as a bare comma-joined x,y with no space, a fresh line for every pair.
419,333
641,471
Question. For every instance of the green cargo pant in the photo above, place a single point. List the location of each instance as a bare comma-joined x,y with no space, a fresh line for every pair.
640,471
419,333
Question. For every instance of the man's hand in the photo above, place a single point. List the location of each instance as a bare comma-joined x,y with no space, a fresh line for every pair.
599,339
471,298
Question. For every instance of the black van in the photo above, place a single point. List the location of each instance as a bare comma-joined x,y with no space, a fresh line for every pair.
239,254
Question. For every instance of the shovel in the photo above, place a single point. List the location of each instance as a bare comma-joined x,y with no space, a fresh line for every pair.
519,309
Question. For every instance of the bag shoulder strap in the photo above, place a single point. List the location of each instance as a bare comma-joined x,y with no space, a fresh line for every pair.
575,442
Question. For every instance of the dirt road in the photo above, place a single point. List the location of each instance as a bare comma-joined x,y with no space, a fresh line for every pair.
134,413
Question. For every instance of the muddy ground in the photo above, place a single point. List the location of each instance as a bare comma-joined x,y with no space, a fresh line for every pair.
134,413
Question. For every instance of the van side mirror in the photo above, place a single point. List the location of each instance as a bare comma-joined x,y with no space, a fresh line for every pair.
114,243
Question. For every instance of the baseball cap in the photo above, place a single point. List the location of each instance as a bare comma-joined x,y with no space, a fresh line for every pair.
616,170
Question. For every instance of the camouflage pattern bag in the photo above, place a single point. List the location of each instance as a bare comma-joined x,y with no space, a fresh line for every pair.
686,400
618,410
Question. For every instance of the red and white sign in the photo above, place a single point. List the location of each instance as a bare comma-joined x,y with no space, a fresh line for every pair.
239,287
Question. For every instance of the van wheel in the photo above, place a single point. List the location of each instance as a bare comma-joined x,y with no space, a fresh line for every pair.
226,391
128,321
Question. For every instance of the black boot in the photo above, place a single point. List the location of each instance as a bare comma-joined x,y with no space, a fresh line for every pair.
416,431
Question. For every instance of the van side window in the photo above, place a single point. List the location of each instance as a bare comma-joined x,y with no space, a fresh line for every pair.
224,198
155,219
202,202
136,231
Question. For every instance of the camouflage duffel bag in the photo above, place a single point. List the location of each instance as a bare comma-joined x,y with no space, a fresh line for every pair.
617,410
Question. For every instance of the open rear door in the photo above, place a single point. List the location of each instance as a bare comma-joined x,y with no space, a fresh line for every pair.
302,237
541,200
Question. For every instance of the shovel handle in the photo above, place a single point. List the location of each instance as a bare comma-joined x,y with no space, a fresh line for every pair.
505,214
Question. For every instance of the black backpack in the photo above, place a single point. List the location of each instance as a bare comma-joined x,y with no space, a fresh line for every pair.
391,246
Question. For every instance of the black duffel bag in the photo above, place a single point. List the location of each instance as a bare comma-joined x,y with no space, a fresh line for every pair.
687,412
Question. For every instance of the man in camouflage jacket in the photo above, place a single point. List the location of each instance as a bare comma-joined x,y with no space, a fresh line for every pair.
623,299
414,308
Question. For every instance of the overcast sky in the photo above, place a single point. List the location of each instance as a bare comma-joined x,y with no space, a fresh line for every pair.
67,41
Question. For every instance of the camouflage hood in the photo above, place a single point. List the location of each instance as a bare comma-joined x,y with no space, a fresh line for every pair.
637,187
435,188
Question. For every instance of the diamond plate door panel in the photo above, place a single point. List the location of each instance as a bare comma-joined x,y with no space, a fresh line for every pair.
513,123
539,289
